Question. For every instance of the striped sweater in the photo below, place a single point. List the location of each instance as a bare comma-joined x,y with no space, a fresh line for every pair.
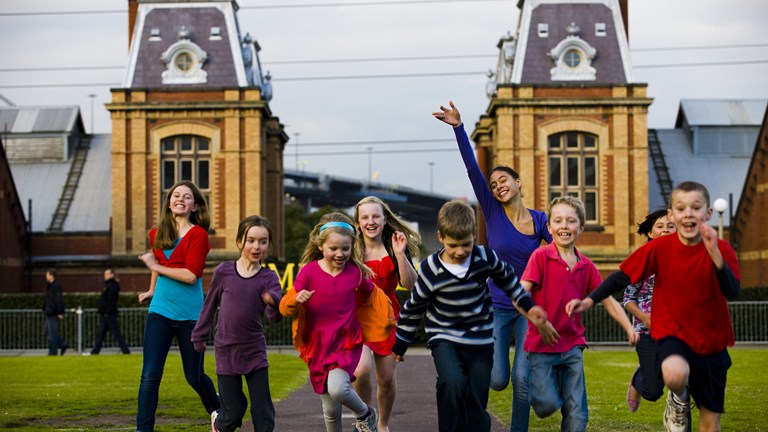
457,309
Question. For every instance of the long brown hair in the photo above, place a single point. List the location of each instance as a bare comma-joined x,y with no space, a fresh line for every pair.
168,229
317,237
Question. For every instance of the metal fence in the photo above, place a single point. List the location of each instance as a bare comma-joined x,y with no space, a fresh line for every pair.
22,329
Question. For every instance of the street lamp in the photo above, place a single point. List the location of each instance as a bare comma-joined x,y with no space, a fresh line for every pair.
431,189
92,96
720,205
370,173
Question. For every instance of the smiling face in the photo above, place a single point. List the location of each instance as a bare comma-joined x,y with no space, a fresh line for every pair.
370,217
662,226
564,225
182,202
336,250
456,251
503,186
689,209
254,244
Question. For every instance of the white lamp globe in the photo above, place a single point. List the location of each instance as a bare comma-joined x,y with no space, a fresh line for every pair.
720,205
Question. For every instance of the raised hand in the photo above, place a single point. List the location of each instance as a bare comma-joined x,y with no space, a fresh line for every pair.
148,259
450,116
399,242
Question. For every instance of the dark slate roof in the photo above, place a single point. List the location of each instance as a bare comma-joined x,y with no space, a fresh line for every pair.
42,119
146,68
536,63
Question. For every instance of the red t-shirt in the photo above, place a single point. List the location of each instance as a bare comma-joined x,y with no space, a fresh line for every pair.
555,285
687,301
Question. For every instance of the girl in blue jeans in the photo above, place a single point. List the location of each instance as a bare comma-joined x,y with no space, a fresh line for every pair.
179,248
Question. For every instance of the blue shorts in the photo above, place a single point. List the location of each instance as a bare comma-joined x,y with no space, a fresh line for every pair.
706,382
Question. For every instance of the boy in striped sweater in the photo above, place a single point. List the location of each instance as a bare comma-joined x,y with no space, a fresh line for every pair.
452,292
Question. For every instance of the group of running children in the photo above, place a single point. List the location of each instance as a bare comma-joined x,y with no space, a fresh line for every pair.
471,299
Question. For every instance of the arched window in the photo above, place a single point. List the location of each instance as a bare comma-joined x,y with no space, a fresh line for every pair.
573,169
185,157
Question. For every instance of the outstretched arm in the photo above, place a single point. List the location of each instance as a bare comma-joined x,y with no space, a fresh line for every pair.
616,312
407,274
729,284
449,116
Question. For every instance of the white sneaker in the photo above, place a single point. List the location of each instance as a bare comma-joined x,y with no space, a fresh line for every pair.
213,421
370,423
676,413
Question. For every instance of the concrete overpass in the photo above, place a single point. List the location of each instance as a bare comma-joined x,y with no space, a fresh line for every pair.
314,190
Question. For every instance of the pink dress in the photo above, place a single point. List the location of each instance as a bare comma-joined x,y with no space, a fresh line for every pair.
332,335
385,277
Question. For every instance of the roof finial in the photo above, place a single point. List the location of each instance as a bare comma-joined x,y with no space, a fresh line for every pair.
183,33
573,29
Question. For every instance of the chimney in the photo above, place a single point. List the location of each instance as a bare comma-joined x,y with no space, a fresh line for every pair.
133,8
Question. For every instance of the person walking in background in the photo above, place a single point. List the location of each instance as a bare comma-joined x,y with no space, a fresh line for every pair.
696,274
108,300
513,231
53,308
385,244
326,333
646,381
452,292
556,274
243,291
177,260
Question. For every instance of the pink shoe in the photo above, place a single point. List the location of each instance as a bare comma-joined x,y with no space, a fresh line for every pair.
633,404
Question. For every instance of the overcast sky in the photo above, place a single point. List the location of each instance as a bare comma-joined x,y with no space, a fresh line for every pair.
434,52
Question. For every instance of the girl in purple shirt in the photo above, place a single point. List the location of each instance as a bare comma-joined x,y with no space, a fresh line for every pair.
243,291
513,231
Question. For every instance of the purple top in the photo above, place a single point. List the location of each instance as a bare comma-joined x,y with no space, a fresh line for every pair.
240,346
509,244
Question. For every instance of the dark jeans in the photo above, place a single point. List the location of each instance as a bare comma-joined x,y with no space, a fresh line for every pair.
52,333
647,378
234,403
463,382
158,335
109,323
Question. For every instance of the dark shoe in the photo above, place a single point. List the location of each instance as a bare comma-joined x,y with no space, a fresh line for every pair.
64,349
127,351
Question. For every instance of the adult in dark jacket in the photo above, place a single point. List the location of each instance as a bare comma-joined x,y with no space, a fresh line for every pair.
53,308
108,313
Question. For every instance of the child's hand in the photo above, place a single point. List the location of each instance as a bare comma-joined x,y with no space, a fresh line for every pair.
145,296
450,116
398,358
537,315
577,306
199,346
708,234
548,333
268,299
149,260
633,336
399,242
303,296
646,319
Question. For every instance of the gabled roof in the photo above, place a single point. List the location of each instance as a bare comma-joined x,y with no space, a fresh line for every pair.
721,112
42,119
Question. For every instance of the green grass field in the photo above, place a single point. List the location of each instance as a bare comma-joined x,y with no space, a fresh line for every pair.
99,392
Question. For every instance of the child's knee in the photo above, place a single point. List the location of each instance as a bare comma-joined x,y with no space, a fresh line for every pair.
675,370
545,408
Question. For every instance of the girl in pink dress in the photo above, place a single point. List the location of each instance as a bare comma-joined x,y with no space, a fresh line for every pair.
386,245
329,336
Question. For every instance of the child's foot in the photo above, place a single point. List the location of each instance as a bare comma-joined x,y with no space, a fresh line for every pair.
370,423
213,421
633,398
676,413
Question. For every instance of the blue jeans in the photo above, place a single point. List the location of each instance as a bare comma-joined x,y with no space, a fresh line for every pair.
158,335
463,381
504,321
52,333
557,381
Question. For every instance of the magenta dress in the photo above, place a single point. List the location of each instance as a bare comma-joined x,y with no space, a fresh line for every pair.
332,335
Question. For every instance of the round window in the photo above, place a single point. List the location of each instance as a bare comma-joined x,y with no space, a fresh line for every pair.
183,61
572,58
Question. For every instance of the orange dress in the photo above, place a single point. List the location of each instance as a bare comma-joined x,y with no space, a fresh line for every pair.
385,278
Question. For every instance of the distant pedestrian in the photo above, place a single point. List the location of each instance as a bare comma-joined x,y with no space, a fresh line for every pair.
53,307
242,291
327,334
110,295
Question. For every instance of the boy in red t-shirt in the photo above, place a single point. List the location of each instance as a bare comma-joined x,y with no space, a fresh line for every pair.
556,274
690,318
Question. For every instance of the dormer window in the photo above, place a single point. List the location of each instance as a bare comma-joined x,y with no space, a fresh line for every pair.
543,30
154,35
184,62
573,58
215,33
600,30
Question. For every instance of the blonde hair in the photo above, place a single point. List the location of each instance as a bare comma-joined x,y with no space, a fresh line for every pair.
569,201
393,223
318,237
456,219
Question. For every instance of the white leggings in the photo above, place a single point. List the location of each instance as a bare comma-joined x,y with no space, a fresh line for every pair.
340,392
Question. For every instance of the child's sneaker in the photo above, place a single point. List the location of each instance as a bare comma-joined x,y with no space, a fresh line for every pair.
370,423
633,398
676,414
214,414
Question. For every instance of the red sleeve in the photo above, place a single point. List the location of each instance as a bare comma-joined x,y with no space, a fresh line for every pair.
194,258
158,253
729,256
593,278
640,265
533,271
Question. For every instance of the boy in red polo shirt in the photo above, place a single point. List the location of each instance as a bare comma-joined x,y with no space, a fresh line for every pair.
690,318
